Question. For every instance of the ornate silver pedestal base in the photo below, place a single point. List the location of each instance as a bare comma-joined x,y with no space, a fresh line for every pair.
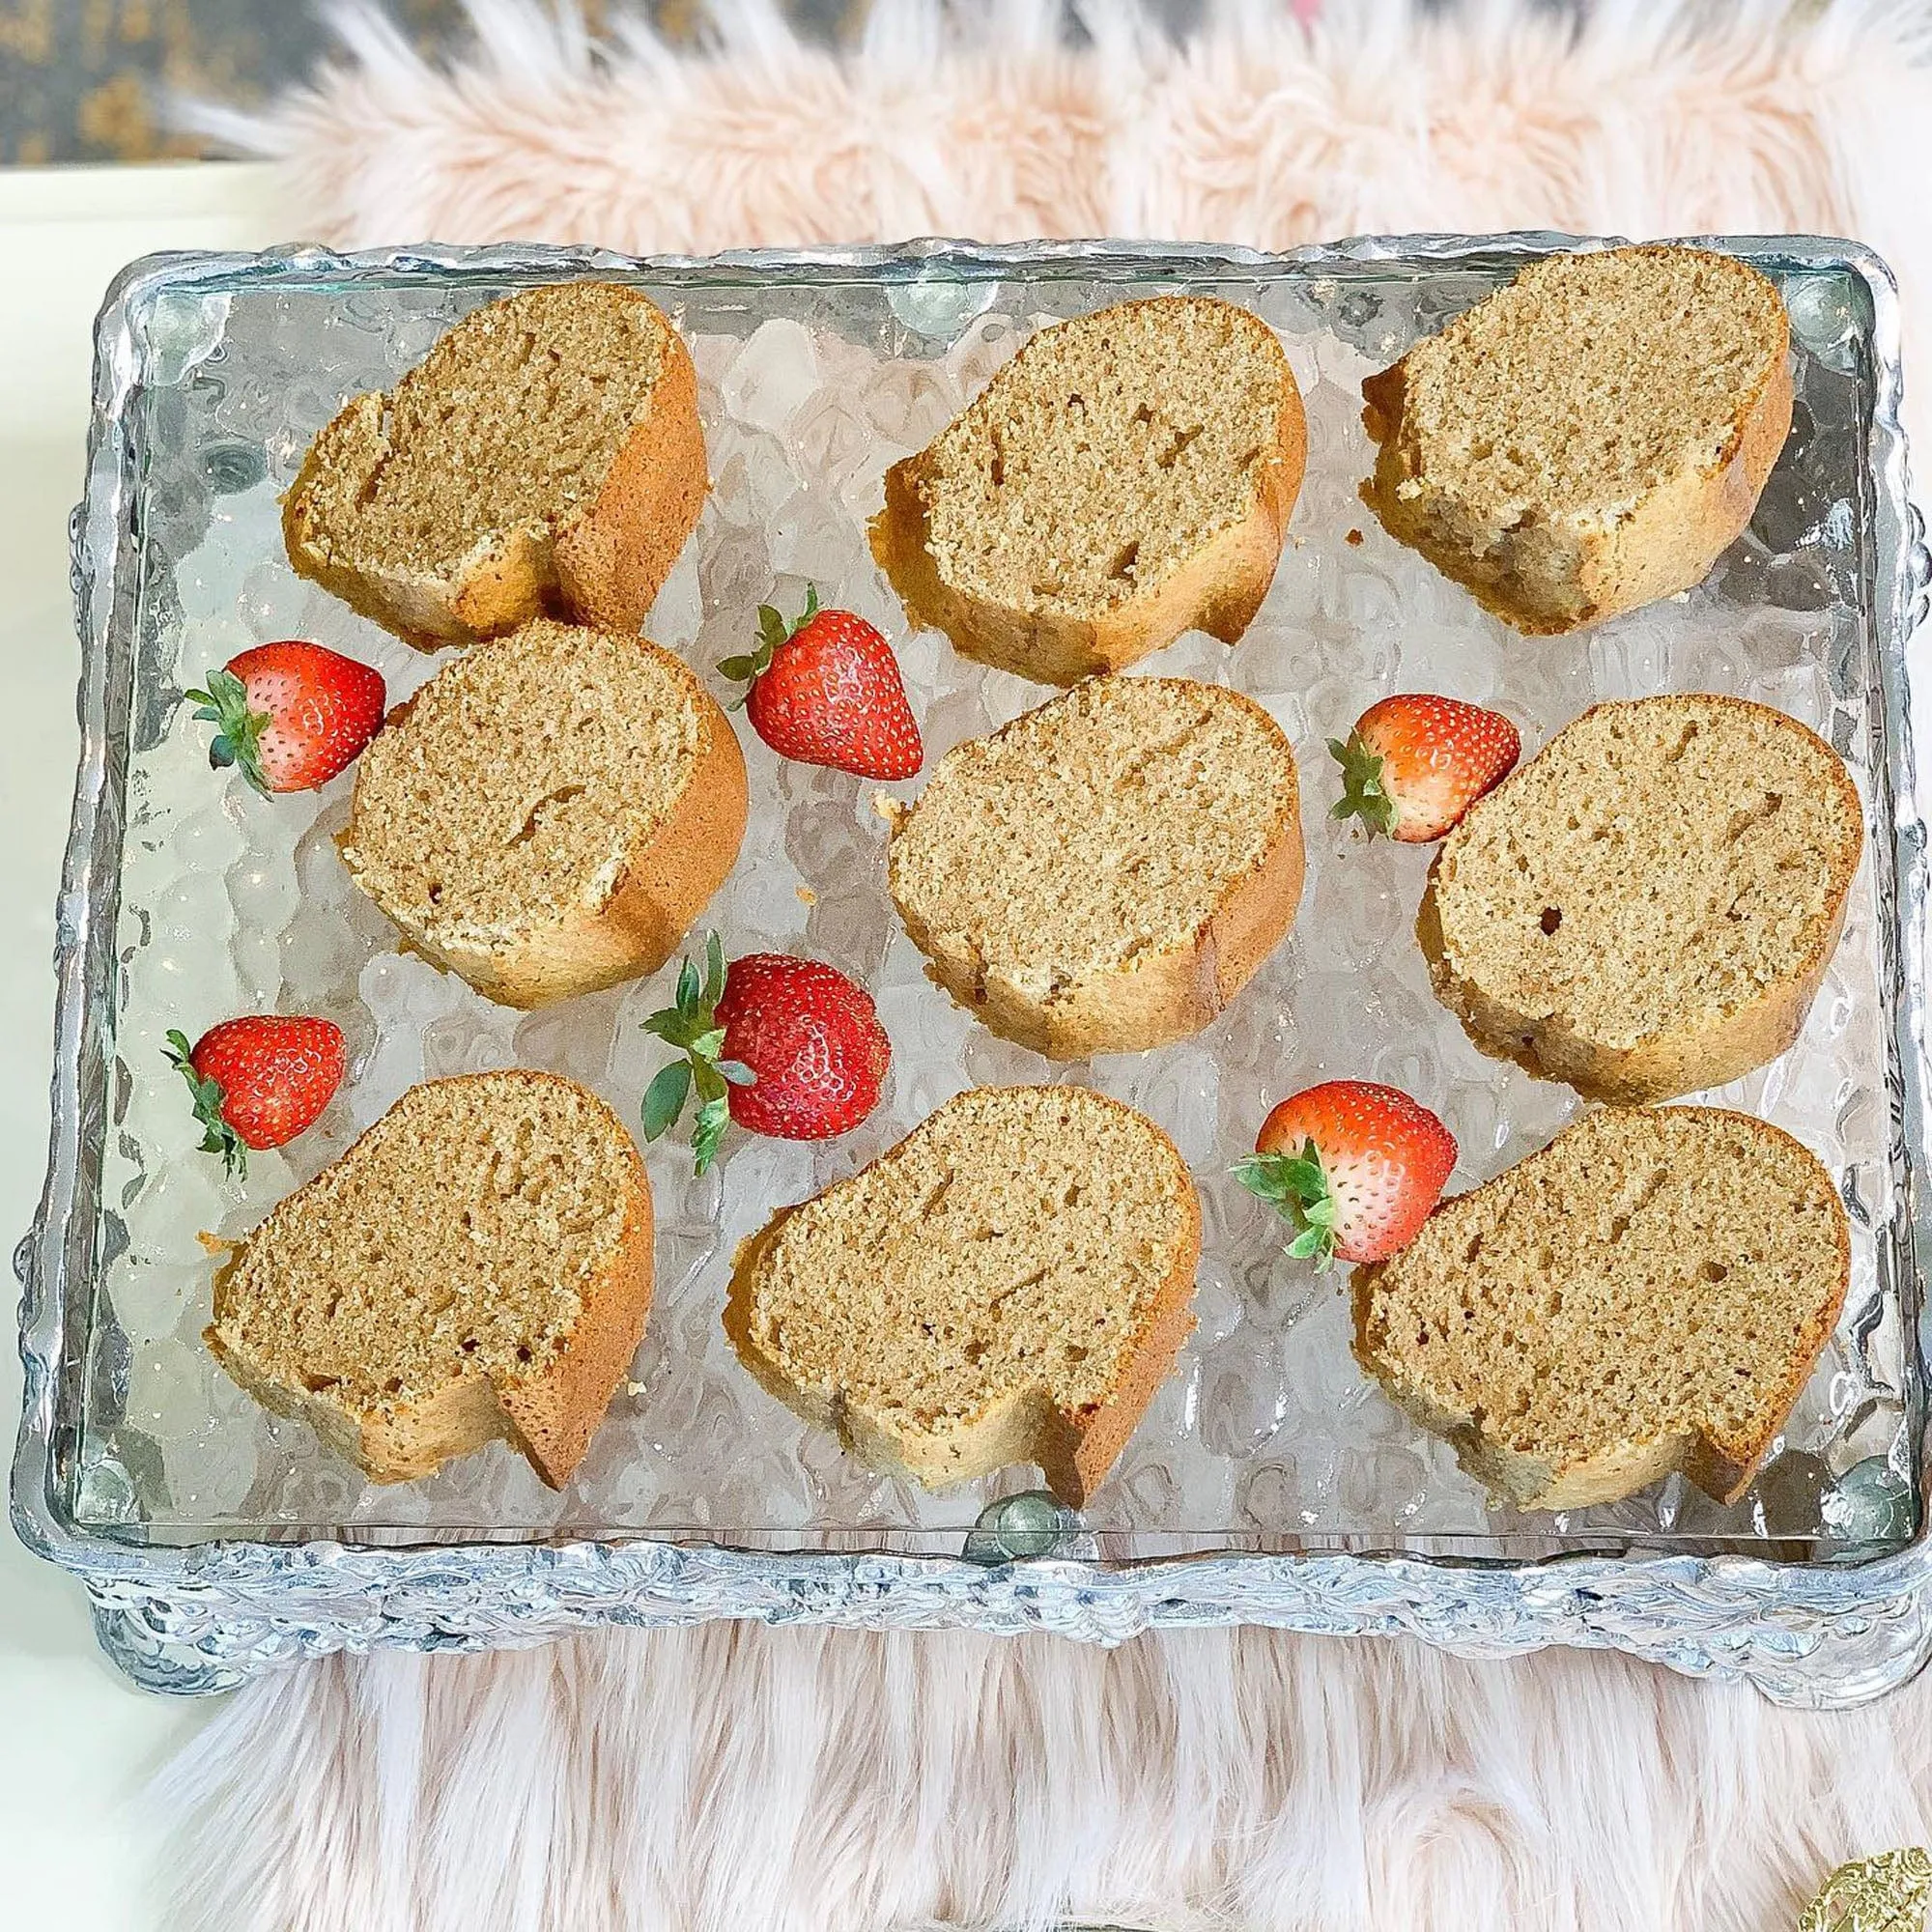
181,1670
1808,1636
186,1604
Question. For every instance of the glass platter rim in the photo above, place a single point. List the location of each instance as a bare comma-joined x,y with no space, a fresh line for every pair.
103,527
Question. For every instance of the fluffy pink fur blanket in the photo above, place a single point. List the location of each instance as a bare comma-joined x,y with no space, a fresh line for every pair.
751,1780
742,1779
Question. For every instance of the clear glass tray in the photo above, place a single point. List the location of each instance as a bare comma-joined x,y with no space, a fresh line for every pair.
1269,1481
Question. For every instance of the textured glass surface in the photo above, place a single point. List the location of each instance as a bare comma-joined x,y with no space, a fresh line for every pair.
814,375
1267,1429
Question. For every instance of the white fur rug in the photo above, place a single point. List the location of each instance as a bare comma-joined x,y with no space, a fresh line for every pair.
741,1780
1649,117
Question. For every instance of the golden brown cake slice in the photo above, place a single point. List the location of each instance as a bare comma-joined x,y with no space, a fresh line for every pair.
546,455
1127,476
1010,1284
1589,437
1104,874
1648,907
549,812
476,1266
1647,1294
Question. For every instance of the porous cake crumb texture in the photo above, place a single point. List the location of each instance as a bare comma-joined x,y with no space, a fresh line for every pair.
1591,437
459,1236
526,774
1102,457
1648,1276
512,421
1661,864
1017,1240
1590,380
1107,825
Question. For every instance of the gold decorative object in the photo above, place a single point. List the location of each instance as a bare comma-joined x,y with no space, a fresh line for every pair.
1887,1893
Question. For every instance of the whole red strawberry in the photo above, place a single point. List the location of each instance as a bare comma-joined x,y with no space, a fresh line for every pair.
826,691
258,1080
1353,1167
783,1046
290,715
1415,764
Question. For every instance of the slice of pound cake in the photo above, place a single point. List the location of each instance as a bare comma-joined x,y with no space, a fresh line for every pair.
1127,476
549,812
476,1266
1104,874
1010,1284
1647,1294
546,456
1591,437
1647,907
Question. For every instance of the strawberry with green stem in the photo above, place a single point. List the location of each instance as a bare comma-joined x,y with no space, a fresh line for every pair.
1353,1167
778,1046
289,716
826,689
258,1080
691,1026
1415,764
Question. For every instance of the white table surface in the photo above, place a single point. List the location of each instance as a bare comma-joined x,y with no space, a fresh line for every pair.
76,1742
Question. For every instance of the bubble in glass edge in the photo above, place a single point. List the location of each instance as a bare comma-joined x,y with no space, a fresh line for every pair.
1030,1525
938,305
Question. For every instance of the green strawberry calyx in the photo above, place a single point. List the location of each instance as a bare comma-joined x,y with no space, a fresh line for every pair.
1296,1186
774,629
238,733
1364,794
691,1026
217,1136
